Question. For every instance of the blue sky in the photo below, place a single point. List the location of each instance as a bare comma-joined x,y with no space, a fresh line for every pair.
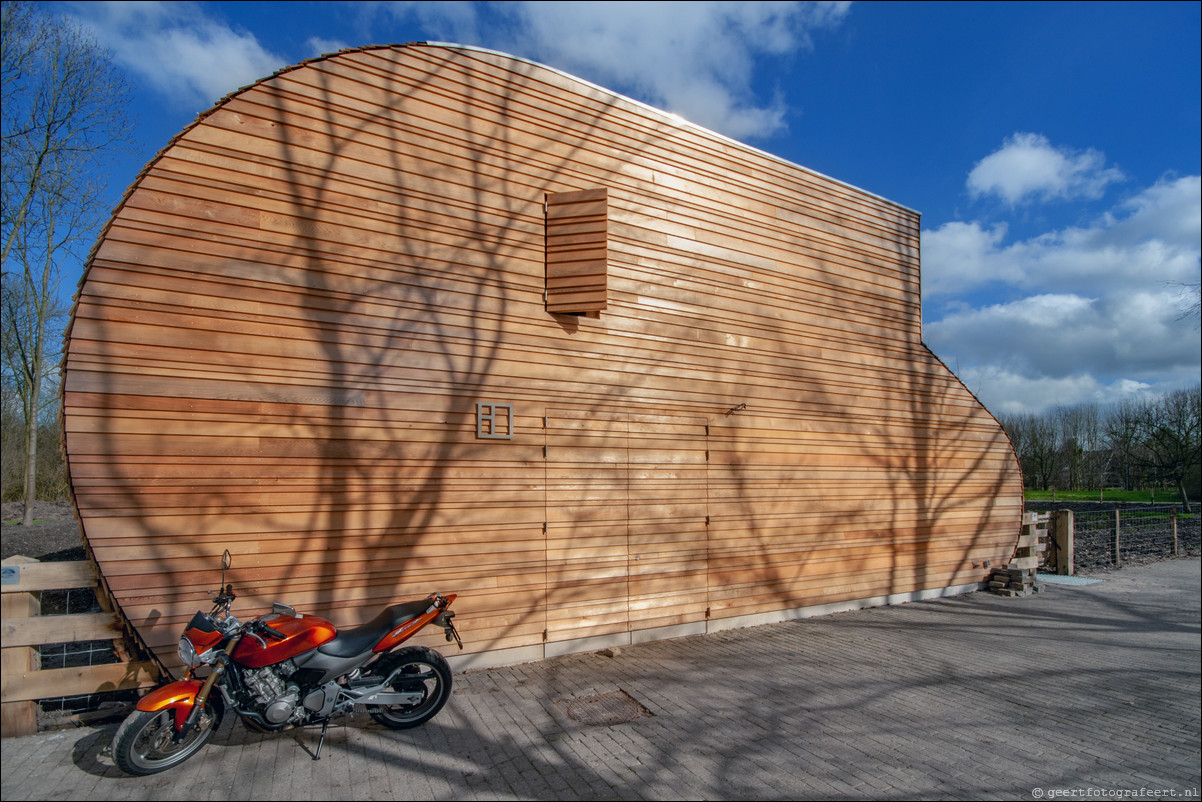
1052,148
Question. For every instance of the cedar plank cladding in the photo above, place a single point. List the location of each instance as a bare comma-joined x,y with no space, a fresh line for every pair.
722,413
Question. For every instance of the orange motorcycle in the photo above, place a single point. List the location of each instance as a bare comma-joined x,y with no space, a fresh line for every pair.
285,670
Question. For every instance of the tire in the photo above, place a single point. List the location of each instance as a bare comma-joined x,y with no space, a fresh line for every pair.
144,742
422,669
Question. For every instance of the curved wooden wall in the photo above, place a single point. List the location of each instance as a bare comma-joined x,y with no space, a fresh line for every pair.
282,338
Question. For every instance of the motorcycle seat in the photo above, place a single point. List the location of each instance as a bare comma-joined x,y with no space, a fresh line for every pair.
350,642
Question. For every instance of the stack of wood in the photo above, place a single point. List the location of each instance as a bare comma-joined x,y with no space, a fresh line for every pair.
1017,578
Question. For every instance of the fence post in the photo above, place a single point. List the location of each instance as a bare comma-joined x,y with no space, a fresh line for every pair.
1118,557
1173,529
1063,534
19,718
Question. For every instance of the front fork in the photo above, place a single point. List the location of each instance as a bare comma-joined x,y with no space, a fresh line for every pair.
185,698
202,697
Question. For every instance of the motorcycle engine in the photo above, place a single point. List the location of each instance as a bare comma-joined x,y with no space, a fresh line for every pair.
272,693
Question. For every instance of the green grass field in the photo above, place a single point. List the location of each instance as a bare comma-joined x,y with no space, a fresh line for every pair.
1163,495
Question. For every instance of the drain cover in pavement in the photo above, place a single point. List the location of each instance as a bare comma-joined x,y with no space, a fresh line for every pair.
604,709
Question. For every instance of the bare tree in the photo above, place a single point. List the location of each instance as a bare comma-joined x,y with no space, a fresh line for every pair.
1096,456
1078,431
1191,301
1122,430
63,115
1036,445
1171,434
1045,450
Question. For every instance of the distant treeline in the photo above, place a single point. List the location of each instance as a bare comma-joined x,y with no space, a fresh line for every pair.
1132,445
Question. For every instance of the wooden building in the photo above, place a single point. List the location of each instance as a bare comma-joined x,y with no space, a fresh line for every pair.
428,317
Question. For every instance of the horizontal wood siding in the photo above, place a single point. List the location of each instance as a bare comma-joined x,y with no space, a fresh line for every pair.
281,339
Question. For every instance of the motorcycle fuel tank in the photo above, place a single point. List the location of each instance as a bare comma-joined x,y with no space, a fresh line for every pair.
301,634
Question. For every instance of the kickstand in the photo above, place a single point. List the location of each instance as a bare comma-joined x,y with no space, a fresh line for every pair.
325,725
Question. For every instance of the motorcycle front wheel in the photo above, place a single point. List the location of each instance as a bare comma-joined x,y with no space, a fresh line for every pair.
145,741
422,671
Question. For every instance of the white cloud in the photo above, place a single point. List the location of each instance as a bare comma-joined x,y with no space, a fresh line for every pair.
1168,212
695,59
452,20
1095,312
1150,239
178,49
1136,334
1028,167
317,46
1005,392
960,256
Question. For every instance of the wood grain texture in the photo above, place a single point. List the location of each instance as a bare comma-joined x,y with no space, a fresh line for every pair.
280,341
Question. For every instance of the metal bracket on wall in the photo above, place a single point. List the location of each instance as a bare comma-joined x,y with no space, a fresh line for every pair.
494,421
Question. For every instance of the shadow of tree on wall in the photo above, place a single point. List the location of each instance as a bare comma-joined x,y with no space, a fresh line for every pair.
389,503
282,339
357,285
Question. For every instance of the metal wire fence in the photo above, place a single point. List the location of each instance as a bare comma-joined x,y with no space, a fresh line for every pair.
76,654
1110,534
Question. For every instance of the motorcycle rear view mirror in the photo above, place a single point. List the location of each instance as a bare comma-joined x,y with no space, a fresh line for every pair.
226,562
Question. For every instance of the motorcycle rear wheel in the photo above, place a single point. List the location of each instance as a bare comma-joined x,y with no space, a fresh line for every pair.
145,741
423,670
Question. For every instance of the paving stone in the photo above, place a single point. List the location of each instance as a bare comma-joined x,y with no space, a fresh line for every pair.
974,697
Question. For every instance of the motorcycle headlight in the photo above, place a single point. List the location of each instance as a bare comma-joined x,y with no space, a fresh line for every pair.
189,655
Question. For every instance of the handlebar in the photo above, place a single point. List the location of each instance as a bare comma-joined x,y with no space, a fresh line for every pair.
224,598
262,626
273,631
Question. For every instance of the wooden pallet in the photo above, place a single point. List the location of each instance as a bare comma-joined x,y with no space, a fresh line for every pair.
24,629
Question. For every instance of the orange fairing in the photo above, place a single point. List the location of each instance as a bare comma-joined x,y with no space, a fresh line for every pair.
301,635
407,629
201,632
180,695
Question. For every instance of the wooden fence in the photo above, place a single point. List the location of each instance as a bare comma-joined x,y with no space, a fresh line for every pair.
24,682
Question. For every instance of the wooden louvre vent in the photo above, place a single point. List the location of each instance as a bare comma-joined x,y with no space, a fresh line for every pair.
577,251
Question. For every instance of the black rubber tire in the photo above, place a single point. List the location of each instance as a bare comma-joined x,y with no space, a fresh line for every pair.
424,669
144,741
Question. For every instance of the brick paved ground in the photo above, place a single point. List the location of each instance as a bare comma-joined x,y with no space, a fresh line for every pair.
975,697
